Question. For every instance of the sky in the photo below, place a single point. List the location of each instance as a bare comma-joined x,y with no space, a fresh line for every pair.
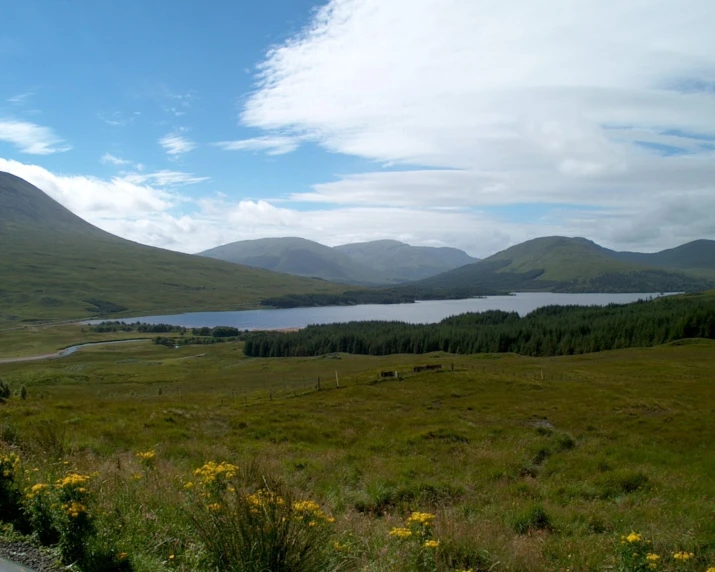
476,124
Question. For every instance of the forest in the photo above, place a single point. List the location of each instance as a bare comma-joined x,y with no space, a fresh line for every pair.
547,331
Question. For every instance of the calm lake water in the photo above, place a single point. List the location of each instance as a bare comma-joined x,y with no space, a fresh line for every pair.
424,312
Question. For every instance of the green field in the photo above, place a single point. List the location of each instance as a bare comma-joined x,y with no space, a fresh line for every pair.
527,463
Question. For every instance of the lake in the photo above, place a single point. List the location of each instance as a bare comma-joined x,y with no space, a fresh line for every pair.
423,312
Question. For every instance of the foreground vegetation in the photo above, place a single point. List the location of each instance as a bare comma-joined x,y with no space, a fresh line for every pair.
200,458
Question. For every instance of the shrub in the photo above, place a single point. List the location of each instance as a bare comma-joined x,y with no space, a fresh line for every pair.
5,391
534,518
256,531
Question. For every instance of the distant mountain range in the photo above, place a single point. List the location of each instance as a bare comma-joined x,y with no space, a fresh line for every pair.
54,265
380,262
564,264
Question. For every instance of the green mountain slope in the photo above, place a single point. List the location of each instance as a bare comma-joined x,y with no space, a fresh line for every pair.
300,257
380,262
54,265
403,262
565,265
697,256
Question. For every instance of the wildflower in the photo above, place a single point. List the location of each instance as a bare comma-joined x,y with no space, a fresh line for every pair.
73,481
171,556
401,532
36,490
189,485
214,507
683,556
652,558
213,472
633,538
431,544
421,518
711,569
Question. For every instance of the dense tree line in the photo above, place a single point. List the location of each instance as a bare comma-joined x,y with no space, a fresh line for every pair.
116,326
548,331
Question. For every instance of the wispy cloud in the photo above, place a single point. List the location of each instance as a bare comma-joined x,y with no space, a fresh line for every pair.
109,159
507,103
31,138
175,144
271,145
164,178
20,99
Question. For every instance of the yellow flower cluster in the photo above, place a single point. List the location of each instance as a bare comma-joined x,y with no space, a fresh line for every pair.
214,507
146,455
632,538
73,481
74,508
421,518
683,556
9,464
212,472
711,569
36,490
401,532
431,544
263,498
652,560
311,510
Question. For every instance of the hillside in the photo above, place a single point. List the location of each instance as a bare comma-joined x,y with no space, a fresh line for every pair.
379,262
564,265
403,262
697,256
300,257
54,265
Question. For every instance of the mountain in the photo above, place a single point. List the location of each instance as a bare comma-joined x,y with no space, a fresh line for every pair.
380,262
563,264
405,263
300,257
54,265
697,256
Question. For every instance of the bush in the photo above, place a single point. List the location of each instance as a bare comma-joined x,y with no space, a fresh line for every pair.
256,531
534,518
4,390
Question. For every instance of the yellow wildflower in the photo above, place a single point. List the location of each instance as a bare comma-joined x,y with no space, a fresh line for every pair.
683,556
214,506
421,518
400,532
189,485
146,455
634,537
431,544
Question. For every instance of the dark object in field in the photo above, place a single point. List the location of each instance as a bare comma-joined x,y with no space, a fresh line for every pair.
389,374
419,368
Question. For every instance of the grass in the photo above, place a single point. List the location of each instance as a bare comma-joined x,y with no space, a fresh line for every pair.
529,464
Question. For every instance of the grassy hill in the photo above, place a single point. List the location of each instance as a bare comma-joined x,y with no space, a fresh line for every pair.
697,257
403,262
566,265
54,265
379,262
300,257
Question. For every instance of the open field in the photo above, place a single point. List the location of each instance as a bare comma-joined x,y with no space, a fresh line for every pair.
528,464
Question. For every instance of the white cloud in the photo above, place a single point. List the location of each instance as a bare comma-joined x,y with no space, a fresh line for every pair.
273,145
175,144
589,102
92,198
109,159
31,138
20,98
164,178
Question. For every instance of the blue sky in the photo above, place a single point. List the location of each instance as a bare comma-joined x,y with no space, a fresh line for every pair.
191,124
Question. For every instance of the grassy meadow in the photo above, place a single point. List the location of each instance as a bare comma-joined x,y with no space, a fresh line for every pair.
495,462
